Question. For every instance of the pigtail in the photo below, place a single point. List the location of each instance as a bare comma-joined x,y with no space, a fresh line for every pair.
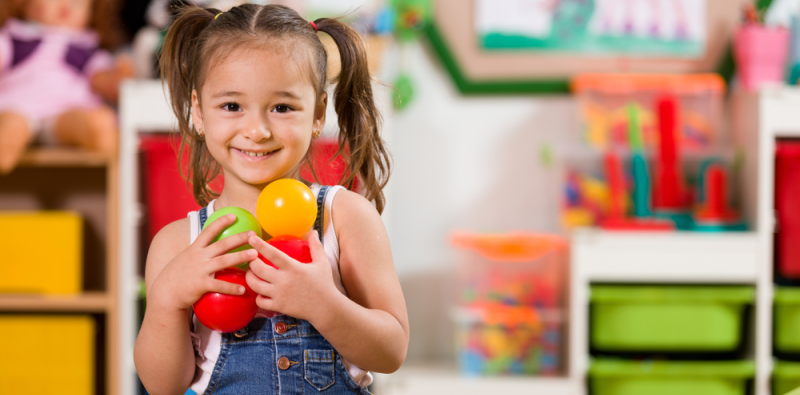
177,62
360,141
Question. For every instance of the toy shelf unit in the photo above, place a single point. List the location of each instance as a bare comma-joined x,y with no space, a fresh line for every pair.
58,209
674,217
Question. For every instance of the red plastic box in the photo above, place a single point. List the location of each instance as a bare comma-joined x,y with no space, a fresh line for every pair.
166,195
787,206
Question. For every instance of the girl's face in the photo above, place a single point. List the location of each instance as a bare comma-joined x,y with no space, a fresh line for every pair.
72,14
258,111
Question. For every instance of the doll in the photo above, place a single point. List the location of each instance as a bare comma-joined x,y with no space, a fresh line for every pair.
56,76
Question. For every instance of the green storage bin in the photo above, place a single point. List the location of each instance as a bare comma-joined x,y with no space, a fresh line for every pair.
787,319
626,377
785,377
628,318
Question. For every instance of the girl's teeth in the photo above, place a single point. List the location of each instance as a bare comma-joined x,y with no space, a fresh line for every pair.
255,153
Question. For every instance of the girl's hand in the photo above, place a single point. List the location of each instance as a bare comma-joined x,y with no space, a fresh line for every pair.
191,273
296,289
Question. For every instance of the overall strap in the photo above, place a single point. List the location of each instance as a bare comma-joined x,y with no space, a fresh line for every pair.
203,216
319,222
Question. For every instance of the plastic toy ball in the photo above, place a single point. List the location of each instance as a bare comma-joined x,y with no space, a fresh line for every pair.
293,246
286,207
244,222
227,313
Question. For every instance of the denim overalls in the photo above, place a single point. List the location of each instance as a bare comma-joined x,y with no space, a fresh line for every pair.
280,355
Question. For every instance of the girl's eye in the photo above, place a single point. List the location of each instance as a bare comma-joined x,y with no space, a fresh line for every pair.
231,107
282,108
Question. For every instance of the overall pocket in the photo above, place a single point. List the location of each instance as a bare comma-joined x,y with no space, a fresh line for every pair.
319,368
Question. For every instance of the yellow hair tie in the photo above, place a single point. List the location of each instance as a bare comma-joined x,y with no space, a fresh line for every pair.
217,16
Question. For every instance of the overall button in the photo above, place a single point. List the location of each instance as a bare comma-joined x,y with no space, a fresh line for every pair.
281,328
283,363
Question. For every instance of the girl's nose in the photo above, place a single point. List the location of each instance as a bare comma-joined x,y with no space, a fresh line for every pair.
257,129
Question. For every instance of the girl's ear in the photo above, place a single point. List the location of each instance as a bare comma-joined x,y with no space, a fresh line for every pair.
197,115
320,110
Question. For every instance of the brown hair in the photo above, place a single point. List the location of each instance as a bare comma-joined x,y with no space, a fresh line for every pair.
104,19
198,36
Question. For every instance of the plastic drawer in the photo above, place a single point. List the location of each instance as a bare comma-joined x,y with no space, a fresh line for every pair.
41,252
47,354
625,377
787,320
668,318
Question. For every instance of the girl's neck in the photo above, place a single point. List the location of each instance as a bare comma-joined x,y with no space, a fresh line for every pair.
238,195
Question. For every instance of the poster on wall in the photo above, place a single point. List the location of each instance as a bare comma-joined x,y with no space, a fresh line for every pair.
649,28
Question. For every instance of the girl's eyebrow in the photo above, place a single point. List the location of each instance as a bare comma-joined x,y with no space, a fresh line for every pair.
287,94
225,94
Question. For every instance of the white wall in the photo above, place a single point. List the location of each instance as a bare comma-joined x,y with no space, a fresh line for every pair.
463,162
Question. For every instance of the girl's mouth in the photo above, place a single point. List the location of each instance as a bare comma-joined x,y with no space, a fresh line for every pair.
255,155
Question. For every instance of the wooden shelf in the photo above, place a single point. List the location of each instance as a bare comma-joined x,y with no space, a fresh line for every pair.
88,302
62,157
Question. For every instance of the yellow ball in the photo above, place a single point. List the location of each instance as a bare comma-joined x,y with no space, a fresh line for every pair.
286,207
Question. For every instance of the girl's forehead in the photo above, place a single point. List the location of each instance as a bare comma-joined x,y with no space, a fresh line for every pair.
259,68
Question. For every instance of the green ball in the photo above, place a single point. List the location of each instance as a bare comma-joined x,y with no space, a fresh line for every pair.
244,222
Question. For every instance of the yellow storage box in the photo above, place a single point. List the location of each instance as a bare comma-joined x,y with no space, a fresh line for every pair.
41,252
47,354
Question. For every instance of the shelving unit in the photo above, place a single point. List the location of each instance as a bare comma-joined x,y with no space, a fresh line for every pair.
49,178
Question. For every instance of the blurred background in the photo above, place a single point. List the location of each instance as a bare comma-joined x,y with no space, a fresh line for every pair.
587,196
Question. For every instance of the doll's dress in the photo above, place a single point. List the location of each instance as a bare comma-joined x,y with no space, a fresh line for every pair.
45,71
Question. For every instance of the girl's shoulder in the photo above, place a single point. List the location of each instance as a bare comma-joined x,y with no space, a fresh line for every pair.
351,209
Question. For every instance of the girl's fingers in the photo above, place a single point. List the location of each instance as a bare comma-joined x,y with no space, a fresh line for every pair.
230,243
258,285
266,303
233,259
262,270
317,251
225,287
211,231
274,255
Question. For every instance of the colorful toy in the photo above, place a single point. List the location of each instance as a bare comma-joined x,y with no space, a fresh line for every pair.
286,207
244,222
293,246
641,180
714,213
227,313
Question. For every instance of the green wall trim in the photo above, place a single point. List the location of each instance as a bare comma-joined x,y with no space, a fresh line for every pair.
726,69
490,87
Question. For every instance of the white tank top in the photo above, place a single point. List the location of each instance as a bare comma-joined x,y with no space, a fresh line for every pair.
207,342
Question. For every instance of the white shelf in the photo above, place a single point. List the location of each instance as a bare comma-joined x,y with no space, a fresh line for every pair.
693,257
436,380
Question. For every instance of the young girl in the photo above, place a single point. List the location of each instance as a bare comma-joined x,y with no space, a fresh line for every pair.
252,81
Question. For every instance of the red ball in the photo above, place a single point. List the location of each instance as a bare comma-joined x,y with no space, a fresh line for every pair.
227,313
292,246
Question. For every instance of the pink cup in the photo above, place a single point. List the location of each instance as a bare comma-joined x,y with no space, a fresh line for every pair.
760,55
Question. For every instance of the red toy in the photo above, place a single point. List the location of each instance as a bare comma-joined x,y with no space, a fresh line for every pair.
292,246
227,313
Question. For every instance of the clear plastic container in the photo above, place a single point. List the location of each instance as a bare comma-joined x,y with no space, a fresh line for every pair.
497,339
510,293
606,100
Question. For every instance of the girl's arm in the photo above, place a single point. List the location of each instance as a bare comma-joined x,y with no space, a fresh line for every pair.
370,328
177,275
